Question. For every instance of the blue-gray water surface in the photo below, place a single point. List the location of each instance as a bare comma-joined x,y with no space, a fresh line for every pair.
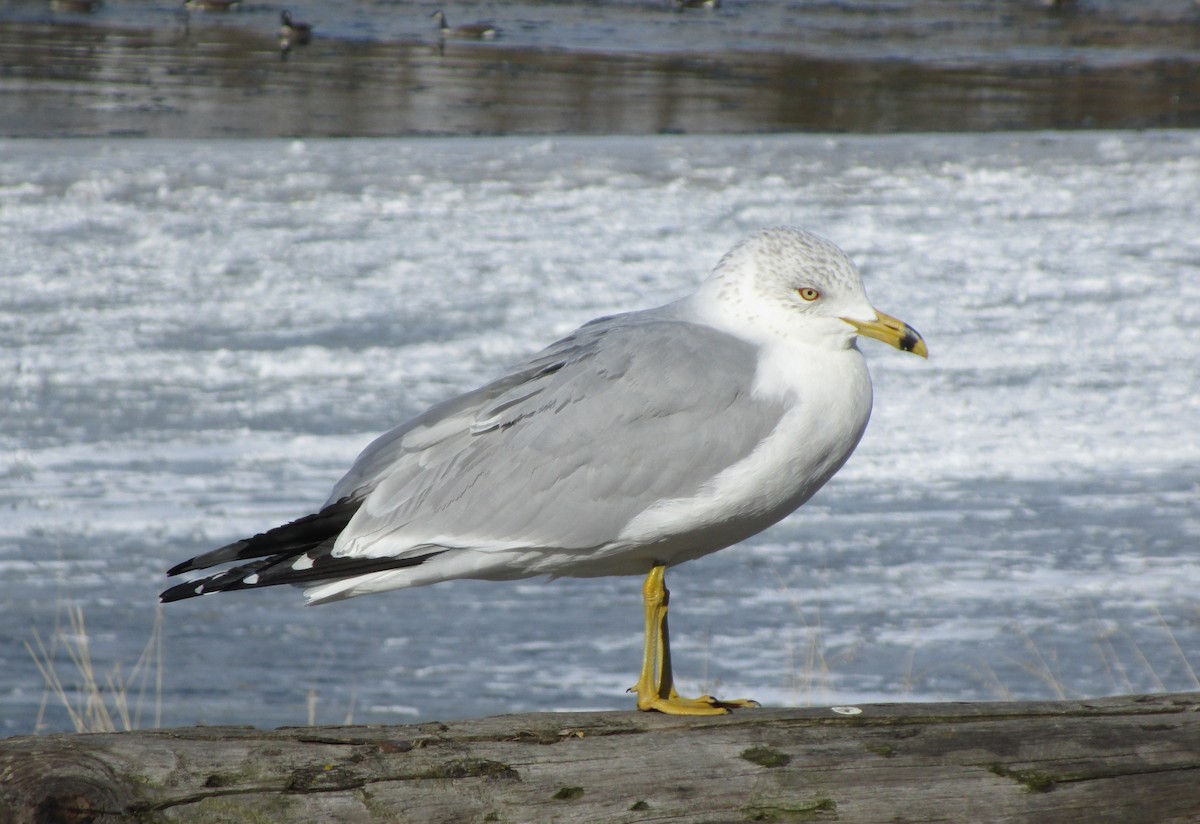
151,68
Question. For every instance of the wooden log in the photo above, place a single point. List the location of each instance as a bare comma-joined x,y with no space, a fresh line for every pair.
1128,759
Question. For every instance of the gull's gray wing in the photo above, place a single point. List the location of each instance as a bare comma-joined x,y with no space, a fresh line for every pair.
566,449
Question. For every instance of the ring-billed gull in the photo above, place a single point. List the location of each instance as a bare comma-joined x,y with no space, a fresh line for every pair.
638,442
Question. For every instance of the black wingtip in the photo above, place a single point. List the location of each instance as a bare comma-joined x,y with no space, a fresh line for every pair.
179,592
221,555
293,538
269,572
186,566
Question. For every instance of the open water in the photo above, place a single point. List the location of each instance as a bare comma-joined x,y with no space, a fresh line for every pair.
149,68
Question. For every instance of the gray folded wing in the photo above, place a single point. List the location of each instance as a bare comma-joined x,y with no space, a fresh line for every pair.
563,451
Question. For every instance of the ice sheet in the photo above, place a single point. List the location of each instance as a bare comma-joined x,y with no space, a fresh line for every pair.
198,338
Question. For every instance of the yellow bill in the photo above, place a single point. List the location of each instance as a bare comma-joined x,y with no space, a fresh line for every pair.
893,332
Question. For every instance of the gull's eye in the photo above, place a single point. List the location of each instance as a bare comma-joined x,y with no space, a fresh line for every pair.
808,293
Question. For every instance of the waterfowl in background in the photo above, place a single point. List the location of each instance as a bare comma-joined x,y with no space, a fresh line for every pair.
211,5
469,31
76,6
292,33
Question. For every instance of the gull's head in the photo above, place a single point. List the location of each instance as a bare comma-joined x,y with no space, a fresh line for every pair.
788,284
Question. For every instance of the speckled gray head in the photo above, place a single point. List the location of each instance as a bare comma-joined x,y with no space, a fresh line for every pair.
784,283
781,251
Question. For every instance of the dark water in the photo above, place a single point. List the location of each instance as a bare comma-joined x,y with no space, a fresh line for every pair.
378,68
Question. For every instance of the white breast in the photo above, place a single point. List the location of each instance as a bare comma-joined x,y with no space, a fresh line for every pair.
830,396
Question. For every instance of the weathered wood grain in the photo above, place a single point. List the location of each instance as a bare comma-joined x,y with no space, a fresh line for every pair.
1128,760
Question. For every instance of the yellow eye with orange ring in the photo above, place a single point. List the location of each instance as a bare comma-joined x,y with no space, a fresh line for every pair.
809,294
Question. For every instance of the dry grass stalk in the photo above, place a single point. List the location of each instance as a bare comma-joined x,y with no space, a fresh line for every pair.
91,705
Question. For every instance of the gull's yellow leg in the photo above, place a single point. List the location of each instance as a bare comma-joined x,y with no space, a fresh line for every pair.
654,599
656,685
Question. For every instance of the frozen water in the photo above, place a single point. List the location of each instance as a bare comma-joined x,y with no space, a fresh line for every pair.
197,338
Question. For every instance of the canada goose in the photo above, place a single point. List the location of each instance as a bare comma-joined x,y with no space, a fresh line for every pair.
76,6
293,32
211,5
470,31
